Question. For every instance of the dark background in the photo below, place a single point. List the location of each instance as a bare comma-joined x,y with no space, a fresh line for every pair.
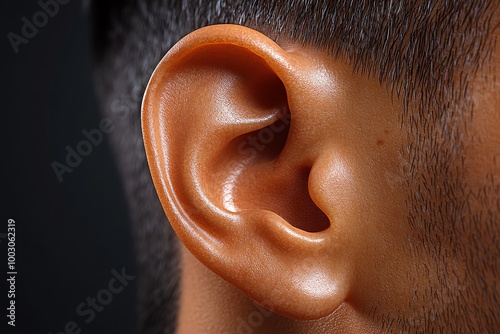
70,235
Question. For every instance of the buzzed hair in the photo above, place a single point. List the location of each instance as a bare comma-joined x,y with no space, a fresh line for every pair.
424,52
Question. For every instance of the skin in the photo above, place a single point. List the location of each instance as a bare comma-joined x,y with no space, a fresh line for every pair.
283,174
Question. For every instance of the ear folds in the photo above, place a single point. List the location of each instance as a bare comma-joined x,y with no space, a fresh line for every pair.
231,157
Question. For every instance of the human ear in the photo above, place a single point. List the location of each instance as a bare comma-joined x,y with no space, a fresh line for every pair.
238,136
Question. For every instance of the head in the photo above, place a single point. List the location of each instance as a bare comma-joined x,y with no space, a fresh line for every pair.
328,165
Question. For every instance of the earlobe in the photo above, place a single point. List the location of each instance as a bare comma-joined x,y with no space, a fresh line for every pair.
231,154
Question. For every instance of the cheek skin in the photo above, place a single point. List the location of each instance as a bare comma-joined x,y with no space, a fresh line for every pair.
360,167
405,282
482,175
483,149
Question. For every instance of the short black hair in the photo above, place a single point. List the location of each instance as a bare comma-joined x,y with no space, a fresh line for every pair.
424,52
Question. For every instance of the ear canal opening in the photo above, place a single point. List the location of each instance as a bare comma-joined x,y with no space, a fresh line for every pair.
252,183
298,209
286,195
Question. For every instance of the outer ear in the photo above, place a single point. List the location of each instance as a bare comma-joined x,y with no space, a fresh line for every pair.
236,166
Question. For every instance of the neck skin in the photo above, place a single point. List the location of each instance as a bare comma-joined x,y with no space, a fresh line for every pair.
209,304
